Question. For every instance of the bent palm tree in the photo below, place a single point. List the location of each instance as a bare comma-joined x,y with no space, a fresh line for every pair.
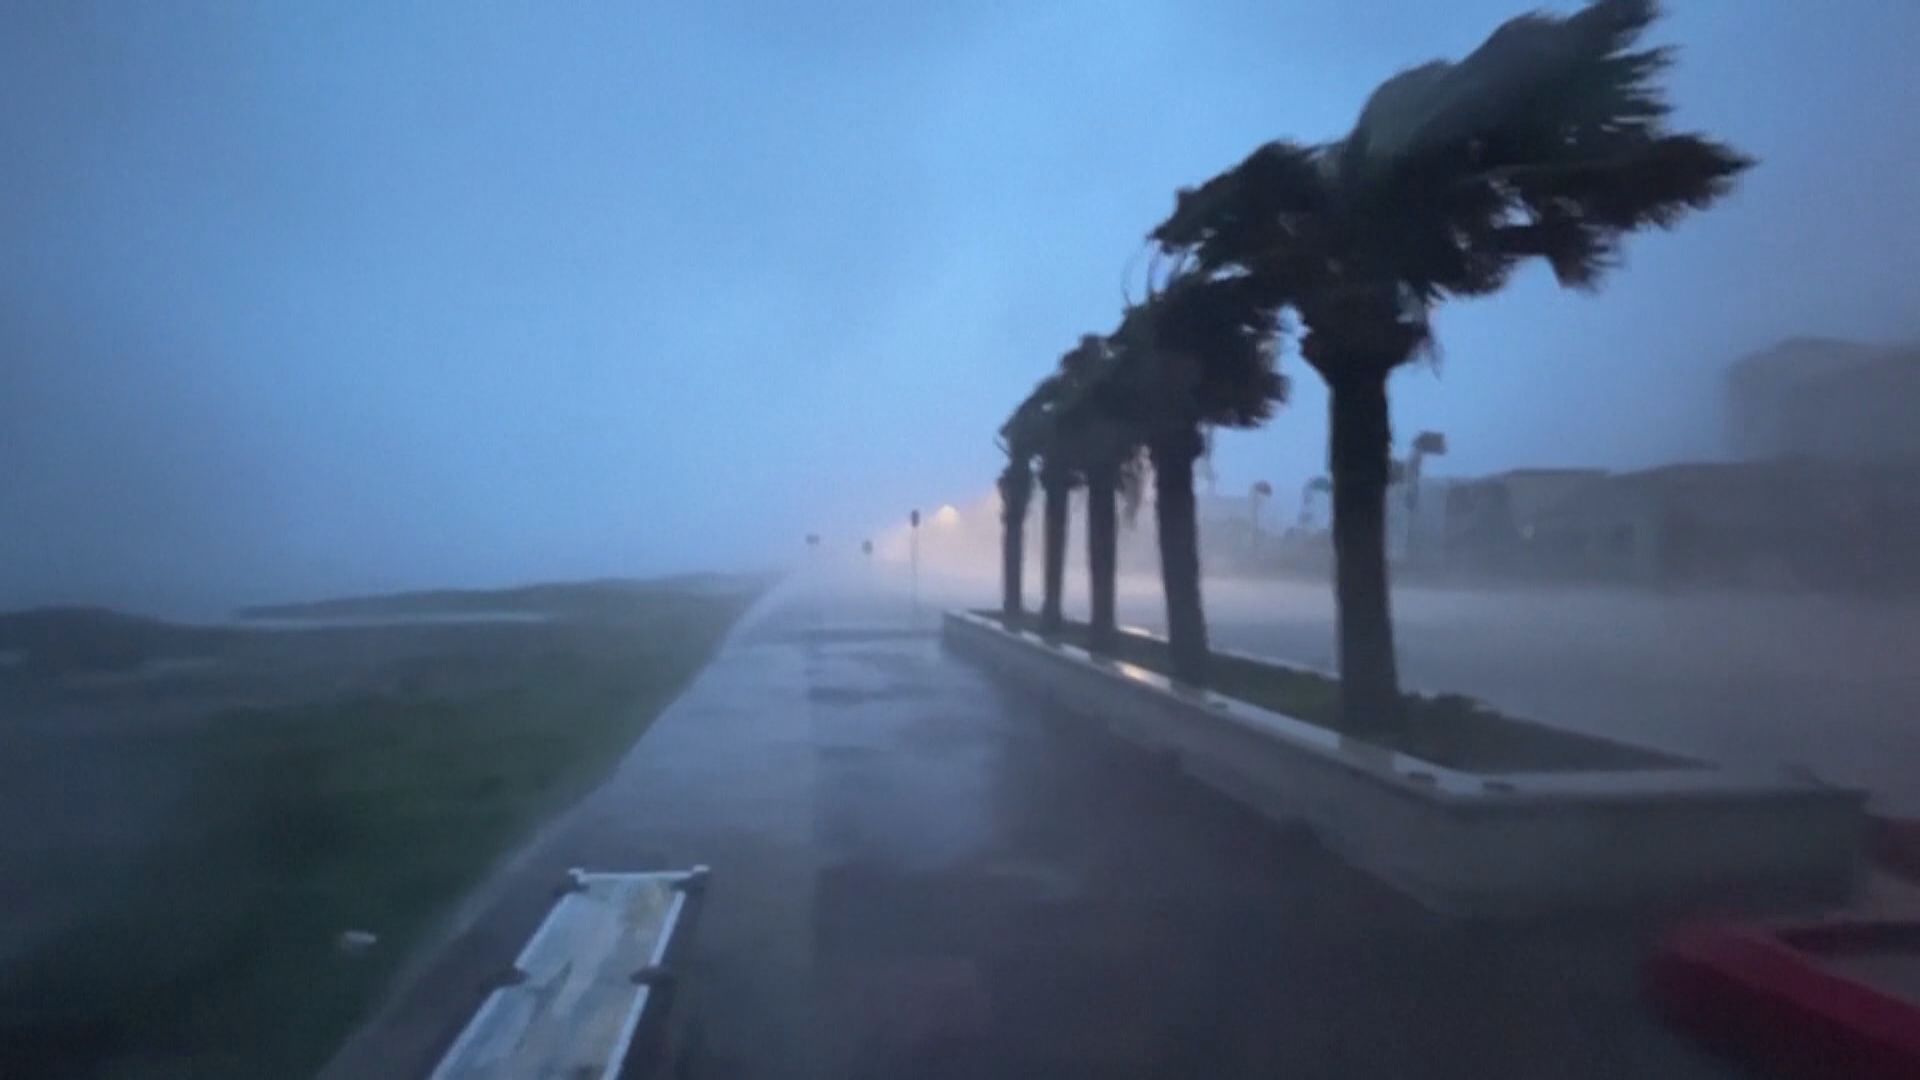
1548,142
1099,436
1034,429
1016,494
1199,353
1057,479
1021,437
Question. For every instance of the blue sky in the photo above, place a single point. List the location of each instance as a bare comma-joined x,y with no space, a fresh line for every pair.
309,298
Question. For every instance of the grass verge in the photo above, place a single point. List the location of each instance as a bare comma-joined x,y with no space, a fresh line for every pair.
376,810
1446,729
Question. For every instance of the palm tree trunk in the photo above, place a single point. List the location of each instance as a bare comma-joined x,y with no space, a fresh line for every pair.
1103,534
1174,512
1016,491
1361,441
1054,484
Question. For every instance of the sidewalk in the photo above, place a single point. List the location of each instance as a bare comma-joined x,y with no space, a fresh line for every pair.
917,874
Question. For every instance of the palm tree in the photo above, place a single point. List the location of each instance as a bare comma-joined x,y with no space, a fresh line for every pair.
1034,430
1057,479
1096,429
1198,353
1548,141
1016,493
1021,437
1426,444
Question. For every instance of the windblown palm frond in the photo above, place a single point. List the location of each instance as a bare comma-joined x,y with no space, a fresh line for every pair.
1259,213
1535,81
1095,424
1547,141
1026,431
1204,351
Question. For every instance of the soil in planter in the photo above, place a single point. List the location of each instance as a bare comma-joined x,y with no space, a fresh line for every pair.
1447,729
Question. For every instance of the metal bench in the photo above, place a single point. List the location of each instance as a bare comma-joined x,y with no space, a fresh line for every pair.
590,992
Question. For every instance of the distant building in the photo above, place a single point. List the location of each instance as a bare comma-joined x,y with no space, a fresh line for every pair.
1802,522
1825,399
1483,523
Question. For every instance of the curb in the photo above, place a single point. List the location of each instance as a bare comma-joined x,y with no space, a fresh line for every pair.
1760,994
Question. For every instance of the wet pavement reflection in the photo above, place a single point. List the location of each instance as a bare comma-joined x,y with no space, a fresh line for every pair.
918,873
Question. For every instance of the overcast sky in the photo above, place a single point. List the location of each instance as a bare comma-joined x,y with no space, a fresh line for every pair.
303,298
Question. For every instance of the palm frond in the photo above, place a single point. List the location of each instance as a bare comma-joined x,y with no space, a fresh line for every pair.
1535,83
1026,430
1211,349
1257,207
1548,141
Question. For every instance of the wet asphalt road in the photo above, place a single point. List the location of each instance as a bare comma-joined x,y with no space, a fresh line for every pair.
918,873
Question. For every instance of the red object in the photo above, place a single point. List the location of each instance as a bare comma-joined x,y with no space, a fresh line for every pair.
1761,993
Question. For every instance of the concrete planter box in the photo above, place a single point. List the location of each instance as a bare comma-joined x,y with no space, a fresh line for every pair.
1511,844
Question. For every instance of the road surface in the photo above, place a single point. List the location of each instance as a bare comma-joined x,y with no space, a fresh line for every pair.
918,872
